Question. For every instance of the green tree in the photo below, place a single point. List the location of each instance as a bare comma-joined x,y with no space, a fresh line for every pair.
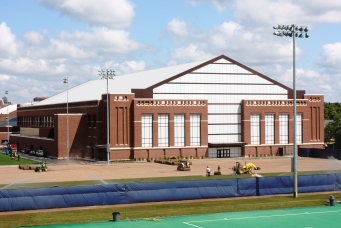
331,110
337,128
333,130
329,132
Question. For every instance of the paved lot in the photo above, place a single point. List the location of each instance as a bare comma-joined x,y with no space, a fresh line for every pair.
60,171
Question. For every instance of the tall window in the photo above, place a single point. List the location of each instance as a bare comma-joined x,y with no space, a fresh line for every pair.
283,128
89,120
163,130
269,128
255,130
195,130
94,120
147,130
298,128
179,130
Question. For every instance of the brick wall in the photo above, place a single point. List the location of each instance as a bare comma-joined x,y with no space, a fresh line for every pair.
311,108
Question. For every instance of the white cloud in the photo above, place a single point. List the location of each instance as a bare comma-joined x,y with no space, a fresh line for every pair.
62,49
231,28
232,39
4,77
107,42
264,12
331,57
125,67
178,27
8,47
115,14
191,52
34,38
135,66
326,88
220,5
27,66
102,39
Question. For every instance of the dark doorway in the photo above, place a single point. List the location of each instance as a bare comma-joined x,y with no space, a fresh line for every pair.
223,153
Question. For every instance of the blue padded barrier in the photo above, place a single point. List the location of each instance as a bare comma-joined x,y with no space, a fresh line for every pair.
317,183
275,185
79,196
337,183
246,186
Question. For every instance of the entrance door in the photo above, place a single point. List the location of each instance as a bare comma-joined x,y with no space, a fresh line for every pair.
223,153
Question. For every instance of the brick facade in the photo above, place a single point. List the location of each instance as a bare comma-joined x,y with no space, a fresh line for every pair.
213,90
310,107
88,128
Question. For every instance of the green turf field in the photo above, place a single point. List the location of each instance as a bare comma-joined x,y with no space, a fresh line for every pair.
7,160
324,216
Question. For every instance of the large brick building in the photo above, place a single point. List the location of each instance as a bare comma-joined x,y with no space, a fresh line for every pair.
215,108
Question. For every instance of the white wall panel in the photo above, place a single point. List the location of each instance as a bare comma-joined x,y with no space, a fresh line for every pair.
224,84
215,88
227,68
222,61
224,129
224,138
222,78
216,119
223,108
220,98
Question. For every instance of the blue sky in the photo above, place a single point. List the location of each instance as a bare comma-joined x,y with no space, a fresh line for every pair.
43,41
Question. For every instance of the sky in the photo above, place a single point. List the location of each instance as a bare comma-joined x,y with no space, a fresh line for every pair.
43,41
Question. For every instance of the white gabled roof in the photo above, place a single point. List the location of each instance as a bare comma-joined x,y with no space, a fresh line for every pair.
8,109
93,90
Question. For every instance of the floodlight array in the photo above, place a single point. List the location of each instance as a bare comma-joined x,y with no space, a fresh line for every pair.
106,74
291,30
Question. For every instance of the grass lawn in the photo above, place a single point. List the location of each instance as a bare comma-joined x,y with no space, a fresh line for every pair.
161,209
7,160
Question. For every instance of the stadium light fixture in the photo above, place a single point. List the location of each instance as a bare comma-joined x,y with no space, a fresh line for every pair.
66,81
299,32
107,74
6,92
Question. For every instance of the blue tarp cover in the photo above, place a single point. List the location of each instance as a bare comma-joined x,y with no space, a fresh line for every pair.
79,196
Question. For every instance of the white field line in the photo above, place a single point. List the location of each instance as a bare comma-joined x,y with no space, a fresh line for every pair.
16,182
256,217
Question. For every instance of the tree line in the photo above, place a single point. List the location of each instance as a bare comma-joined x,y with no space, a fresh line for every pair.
332,131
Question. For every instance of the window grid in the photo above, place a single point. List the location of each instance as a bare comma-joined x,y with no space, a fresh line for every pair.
195,130
255,130
163,130
269,128
179,130
147,130
283,128
298,128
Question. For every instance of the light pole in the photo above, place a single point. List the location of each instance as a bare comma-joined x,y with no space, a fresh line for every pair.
299,32
6,92
107,74
66,81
